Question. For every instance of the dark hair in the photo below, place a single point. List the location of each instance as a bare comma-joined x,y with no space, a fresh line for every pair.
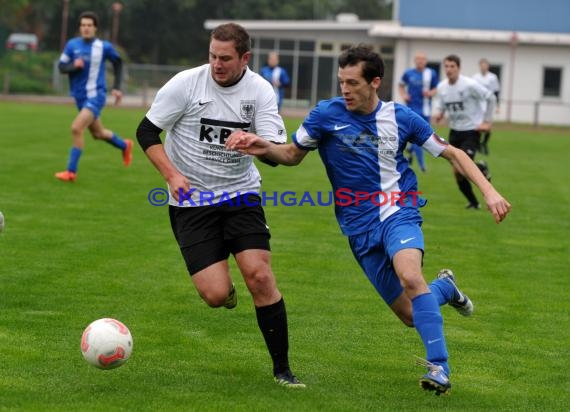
453,58
89,15
373,64
233,32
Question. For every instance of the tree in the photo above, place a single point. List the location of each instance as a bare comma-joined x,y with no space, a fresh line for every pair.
171,32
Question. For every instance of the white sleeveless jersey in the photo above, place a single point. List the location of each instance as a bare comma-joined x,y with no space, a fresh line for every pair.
199,115
463,103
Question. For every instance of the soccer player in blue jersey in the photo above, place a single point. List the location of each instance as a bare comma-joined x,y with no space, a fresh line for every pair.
277,76
417,86
361,141
83,59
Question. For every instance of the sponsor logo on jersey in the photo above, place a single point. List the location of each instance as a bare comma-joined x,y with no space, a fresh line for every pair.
217,131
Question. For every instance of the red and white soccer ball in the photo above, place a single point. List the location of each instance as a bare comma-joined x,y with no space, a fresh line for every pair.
106,343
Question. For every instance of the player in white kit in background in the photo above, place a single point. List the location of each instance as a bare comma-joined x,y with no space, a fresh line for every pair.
463,100
491,82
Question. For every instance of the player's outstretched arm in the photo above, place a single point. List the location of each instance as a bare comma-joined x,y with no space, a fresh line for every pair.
251,144
497,205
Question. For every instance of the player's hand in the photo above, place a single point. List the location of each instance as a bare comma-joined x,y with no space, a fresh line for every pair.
484,127
178,184
247,143
118,95
79,63
498,206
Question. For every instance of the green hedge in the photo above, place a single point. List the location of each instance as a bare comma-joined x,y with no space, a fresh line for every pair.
27,72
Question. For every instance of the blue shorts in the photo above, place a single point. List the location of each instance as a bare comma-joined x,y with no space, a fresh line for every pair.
375,249
95,104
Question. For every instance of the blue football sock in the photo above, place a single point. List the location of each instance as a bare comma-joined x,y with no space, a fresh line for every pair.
117,142
442,290
429,324
74,155
419,152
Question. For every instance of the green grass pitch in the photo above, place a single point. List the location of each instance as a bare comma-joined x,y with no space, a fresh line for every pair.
73,253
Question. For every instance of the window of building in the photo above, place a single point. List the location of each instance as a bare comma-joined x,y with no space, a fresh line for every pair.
305,78
265,43
436,66
327,47
307,46
551,82
386,50
286,44
325,81
495,68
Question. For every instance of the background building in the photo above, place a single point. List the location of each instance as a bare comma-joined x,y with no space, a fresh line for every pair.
526,42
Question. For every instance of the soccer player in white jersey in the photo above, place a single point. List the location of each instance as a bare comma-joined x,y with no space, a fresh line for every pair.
361,141
491,82
469,107
215,206
83,59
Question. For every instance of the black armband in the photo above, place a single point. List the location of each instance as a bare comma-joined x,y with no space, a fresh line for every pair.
65,68
118,73
148,134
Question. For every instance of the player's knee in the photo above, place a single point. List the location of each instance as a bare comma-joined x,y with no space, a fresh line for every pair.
260,280
214,298
76,130
413,283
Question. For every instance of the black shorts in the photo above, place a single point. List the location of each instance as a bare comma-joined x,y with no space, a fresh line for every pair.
467,140
208,234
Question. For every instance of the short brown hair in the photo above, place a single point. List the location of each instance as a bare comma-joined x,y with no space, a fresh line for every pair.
89,15
233,32
453,58
373,65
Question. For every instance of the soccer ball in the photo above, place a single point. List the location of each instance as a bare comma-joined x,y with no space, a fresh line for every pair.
106,343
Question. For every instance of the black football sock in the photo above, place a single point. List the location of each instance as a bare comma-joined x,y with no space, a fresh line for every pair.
467,191
272,321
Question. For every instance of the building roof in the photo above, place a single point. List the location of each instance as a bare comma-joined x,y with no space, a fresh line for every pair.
380,29
393,29
341,23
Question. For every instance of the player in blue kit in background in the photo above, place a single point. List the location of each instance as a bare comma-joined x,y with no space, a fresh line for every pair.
83,58
277,76
417,86
361,141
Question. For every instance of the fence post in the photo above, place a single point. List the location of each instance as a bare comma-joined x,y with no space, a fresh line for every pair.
536,110
6,86
145,93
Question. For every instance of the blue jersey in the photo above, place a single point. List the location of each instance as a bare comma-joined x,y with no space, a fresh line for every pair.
272,74
88,82
416,83
364,159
